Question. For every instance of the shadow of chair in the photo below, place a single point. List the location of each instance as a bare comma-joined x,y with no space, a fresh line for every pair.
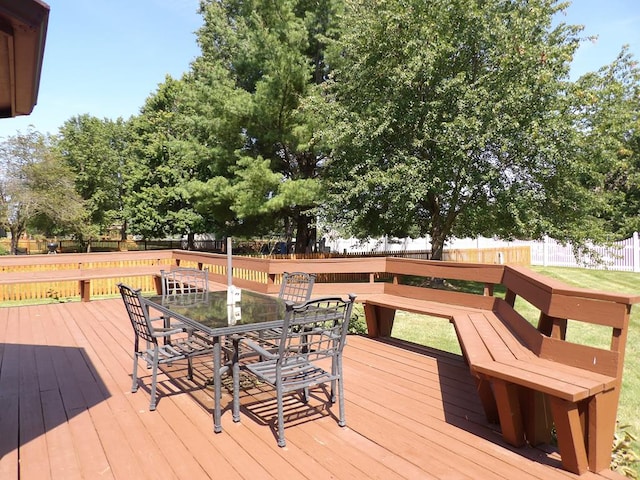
184,347
313,335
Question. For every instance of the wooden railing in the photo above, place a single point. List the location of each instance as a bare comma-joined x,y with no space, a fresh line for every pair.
22,268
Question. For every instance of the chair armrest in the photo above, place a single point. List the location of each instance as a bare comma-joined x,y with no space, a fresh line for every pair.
322,332
165,332
258,349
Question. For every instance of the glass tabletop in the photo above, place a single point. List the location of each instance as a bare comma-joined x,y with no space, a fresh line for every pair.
210,312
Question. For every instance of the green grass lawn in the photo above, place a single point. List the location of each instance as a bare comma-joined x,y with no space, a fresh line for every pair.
439,333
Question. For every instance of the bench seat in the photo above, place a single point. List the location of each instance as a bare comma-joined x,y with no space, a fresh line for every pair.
380,310
526,393
543,376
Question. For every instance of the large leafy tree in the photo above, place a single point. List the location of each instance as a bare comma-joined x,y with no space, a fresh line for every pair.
96,151
608,116
452,117
37,189
167,158
267,56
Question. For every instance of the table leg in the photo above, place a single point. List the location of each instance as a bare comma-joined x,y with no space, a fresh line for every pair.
236,379
217,385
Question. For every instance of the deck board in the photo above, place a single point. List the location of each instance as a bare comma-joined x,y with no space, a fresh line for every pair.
66,412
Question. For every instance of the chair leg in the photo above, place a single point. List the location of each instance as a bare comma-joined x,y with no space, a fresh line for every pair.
154,380
148,348
334,367
342,422
189,368
281,441
134,375
235,371
166,323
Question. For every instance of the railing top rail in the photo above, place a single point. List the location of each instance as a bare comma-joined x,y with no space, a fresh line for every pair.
329,265
553,286
80,258
478,272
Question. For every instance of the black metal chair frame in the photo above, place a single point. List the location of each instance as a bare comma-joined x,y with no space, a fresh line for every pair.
183,348
184,280
296,287
312,331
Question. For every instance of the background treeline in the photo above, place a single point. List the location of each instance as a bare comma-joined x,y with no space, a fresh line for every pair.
404,118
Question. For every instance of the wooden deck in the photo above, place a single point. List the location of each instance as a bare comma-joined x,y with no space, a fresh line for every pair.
66,412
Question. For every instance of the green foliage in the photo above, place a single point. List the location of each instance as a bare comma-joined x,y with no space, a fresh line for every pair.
624,459
266,57
54,295
441,118
453,118
609,120
37,189
357,324
95,150
168,158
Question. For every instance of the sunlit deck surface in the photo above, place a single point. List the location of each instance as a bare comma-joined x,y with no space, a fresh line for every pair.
66,412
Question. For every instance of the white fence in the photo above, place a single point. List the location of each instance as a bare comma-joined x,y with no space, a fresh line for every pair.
623,256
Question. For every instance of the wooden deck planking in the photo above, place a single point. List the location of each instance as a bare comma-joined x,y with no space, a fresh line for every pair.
65,381
129,439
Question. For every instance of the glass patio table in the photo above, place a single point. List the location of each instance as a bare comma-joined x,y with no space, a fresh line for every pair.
211,314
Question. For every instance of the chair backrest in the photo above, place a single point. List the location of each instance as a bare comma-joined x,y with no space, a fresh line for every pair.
297,286
315,329
184,280
138,314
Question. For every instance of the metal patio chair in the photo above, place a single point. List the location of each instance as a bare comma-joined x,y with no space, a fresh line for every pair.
184,280
183,348
296,287
312,331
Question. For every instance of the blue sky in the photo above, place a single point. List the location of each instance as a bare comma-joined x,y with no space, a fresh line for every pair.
105,57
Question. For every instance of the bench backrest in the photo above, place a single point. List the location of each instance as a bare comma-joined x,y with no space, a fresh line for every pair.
560,304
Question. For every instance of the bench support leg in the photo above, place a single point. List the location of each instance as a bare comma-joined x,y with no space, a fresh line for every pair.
379,320
602,411
509,412
485,392
537,416
570,431
157,282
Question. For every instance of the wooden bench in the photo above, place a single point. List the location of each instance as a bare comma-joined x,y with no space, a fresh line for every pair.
529,378
529,393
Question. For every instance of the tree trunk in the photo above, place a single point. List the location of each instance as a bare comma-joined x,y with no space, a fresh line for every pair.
437,247
123,231
437,244
16,232
305,234
191,241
